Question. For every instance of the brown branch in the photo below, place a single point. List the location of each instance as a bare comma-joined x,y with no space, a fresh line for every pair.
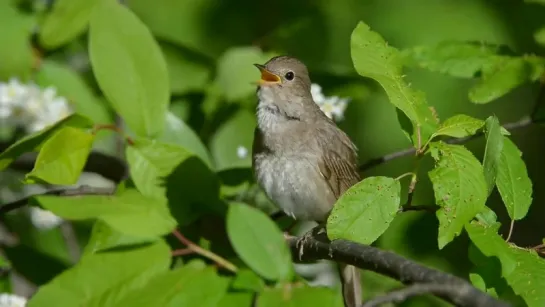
402,295
81,190
316,246
522,123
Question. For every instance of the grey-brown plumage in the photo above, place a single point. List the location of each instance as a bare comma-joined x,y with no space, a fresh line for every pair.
302,160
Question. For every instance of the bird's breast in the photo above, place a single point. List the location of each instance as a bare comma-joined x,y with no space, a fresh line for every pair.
295,184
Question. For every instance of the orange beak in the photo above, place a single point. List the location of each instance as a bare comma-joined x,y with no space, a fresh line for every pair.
267,77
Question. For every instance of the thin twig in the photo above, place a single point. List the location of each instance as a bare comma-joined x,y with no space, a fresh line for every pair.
410,207
203,252
79,191
113,128
404,294
182,252
522,123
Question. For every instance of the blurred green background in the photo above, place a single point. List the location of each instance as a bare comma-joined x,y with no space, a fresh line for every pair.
210,45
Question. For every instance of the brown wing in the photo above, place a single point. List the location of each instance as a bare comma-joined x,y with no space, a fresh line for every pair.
339,165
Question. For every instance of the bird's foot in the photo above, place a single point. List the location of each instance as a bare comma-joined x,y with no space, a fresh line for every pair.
311,234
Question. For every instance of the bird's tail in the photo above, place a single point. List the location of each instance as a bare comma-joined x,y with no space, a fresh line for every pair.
351,285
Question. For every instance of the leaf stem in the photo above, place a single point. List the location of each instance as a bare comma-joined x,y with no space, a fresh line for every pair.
404,175
201,251
113,128
510,230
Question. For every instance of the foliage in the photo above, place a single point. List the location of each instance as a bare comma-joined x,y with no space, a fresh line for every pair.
190,176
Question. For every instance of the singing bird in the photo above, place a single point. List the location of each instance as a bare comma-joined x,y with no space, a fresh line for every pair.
300,158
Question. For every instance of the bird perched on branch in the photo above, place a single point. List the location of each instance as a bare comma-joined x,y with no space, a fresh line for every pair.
301,159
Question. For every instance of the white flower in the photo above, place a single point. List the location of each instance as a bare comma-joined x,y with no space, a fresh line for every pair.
30,106
242,152
43,219
12,300
333,107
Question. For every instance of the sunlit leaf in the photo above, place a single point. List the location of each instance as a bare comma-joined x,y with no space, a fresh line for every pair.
121,45
34,141
373,58
492,151
295,297
459,187
128,212
62,157
459,126
513,183
522,269
259,242
94,275
365,210
66,20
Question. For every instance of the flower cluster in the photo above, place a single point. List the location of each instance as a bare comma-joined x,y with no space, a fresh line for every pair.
12,300
30,107
333,106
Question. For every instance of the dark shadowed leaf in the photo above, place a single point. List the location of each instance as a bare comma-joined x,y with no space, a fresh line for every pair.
365,210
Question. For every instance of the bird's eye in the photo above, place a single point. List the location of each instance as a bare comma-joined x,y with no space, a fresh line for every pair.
289,75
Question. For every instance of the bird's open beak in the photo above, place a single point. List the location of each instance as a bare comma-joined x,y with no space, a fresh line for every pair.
267,77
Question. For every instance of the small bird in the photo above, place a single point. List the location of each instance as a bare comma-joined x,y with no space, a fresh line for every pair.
300,158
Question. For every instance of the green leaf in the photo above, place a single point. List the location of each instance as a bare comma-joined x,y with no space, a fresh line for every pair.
185,286
248,280
539,36
103,237
121,45
459,126
373,58
500,79
522,269
492,151
128,212
295,297
67,20
259,242
237,299
150,162
33,142
186,72
17,59
236,74
231,145
458,59
365,210
459,187
5,285
179,133
62,157
71,85
513,183
94,275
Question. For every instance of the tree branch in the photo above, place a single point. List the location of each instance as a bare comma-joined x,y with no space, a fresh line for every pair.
316,246
81,190
522,123
402,295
